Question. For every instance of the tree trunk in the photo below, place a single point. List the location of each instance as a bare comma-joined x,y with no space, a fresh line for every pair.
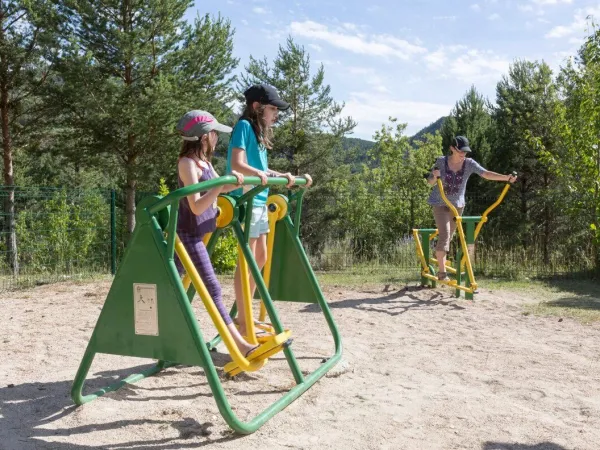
9,181
547,224
130,196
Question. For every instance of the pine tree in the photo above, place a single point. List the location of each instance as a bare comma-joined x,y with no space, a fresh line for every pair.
28,41
309,132
129,72
526,99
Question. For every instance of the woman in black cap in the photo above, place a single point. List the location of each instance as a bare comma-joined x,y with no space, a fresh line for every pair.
454,171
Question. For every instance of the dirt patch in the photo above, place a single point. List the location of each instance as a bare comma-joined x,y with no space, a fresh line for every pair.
420,371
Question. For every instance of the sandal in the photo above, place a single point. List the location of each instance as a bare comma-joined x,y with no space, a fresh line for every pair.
259,325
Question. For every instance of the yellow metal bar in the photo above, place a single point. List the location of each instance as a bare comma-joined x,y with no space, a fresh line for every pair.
491,208
465,249
213,312
206,238
452,283
250,331
433,235
267,270
485,214
449,267
420,253
461,234
446,201
186,282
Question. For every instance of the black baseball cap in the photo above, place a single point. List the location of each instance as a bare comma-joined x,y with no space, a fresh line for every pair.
265,95
461,143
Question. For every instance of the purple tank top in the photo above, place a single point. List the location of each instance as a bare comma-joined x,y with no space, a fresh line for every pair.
190,223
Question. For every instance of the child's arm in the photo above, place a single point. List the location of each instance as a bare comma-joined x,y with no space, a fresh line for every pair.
189,175
239,164
230,187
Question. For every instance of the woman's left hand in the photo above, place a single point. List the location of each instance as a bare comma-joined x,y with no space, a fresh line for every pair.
291,179
238,176
511,178
308,180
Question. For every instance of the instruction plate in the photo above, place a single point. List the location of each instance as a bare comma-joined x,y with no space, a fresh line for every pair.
145,309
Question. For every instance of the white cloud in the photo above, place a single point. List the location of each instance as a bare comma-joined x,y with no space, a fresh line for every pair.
376,44
476,65
316,47
467,65
436,60
371,111
244,22
525,8
259,10
475,7
578,25
370,76
551,2
494,16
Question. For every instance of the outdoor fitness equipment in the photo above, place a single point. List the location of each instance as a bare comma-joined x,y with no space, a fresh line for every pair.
148,313
465,252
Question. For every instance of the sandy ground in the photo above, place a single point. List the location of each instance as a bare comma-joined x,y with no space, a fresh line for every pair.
420,371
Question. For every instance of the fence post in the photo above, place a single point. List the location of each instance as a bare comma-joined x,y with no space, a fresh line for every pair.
113,232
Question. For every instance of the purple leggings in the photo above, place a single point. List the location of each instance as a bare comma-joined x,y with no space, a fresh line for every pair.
199,256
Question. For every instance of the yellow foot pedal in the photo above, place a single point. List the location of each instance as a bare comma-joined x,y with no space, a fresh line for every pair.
266,350
263,336
260,327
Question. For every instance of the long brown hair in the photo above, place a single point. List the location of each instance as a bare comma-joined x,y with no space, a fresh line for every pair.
201,149
262,130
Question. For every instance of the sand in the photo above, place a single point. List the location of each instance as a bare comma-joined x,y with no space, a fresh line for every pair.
420,370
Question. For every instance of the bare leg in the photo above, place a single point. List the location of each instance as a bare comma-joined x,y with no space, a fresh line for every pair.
241,343
260,254
239,293
441,258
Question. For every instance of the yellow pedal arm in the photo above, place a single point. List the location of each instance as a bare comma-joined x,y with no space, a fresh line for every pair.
420,253
249,315
279,213
222,329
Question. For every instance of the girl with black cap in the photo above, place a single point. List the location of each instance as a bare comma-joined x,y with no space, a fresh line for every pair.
251,138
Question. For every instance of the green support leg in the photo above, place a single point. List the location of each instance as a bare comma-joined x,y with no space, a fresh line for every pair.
470,237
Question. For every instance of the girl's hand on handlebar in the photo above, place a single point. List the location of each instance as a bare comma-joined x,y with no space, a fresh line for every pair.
511,178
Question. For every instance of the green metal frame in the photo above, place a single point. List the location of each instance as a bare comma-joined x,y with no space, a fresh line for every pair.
184,343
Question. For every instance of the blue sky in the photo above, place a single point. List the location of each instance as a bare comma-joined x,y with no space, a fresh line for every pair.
408,59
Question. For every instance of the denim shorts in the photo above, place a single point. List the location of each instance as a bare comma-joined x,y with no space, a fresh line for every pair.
260,221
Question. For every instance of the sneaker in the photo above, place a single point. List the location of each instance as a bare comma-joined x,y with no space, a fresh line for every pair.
443,276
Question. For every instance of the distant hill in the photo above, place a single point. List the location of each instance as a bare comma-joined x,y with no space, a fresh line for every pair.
431,128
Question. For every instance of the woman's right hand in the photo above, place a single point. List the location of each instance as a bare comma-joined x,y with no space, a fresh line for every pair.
239,177
263,176
436,173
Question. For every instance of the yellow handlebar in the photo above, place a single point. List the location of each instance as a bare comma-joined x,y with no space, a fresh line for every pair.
446,201
490,209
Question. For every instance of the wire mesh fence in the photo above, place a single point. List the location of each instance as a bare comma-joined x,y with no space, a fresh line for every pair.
59,234
73,233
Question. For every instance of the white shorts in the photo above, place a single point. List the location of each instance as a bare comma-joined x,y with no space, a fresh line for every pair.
260,221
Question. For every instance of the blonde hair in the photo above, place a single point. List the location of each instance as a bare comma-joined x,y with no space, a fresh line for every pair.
262,130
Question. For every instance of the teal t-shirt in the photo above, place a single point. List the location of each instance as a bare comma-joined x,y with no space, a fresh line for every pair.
243,137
